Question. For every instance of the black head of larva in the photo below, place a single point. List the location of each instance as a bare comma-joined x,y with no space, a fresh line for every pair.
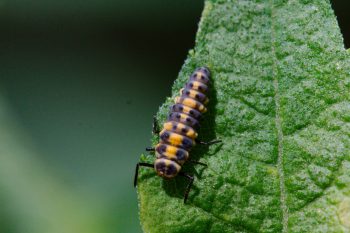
166,168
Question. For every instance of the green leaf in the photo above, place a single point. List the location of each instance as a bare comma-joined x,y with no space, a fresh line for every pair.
280,103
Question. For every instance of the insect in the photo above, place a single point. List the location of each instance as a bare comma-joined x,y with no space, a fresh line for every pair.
179,133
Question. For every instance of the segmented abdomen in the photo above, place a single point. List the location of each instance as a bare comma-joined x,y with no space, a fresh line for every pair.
180,130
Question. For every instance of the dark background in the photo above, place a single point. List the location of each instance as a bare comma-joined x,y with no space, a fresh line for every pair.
342,11
82,80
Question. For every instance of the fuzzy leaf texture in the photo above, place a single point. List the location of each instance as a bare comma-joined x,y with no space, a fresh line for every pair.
280,102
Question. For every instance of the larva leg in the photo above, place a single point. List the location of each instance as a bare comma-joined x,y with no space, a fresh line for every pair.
208,143
150,149
188,188
137,170
155,128
196,162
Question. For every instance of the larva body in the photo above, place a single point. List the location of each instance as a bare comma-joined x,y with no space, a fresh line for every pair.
179,132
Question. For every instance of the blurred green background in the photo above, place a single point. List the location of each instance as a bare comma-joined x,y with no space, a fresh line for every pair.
79,84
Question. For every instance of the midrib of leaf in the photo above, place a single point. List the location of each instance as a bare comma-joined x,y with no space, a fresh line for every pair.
279,164
284,207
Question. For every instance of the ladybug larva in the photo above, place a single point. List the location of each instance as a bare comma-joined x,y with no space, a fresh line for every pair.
179,133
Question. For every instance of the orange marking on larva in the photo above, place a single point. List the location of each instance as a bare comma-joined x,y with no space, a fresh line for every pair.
197,86
175,139
186,109
193,94
192,104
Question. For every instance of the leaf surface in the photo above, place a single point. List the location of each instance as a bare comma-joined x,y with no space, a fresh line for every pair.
280,102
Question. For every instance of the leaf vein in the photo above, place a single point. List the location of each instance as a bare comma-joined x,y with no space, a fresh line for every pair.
278,126
218,217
